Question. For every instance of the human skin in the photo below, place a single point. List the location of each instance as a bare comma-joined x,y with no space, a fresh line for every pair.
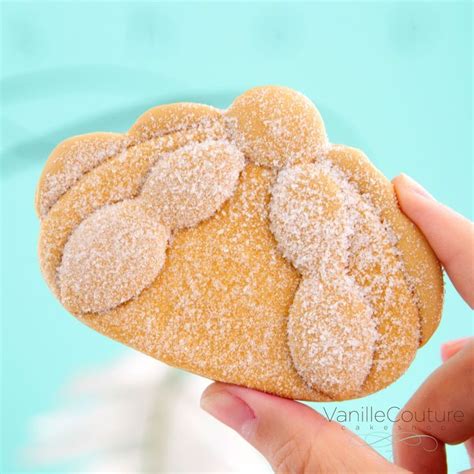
296,438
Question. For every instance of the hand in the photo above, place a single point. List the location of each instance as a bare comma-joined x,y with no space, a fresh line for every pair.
451,387
295,438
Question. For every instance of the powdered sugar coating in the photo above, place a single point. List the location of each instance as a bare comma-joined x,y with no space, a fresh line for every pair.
331,330
226,303
310,221
420,266
119,250
336,238
276,126
70,160
188,185
111,257
170,118
332,335
120,177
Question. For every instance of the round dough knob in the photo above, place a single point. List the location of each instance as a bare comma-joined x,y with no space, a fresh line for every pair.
332,336
111,257
190,184
276,126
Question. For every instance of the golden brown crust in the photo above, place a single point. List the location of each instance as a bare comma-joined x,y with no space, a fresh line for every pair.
171,118
194,315
335,238
421,265
71,159
119,178
220,304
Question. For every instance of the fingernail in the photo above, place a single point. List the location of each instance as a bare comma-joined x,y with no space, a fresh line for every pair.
415,187
448,349
230,410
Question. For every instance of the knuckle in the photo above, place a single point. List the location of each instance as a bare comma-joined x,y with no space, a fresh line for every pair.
294,456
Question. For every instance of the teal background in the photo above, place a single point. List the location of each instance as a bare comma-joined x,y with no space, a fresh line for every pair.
394,79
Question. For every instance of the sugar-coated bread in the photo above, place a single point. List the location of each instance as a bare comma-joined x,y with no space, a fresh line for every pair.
240,245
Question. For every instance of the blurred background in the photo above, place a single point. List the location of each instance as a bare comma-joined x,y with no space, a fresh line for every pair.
394,79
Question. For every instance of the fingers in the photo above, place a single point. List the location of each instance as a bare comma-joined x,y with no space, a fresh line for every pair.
292,436
450,235
448,349
440,412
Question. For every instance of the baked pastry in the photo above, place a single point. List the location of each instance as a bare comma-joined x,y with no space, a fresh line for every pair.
240,245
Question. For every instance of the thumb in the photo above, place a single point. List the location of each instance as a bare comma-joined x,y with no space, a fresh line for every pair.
291,436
